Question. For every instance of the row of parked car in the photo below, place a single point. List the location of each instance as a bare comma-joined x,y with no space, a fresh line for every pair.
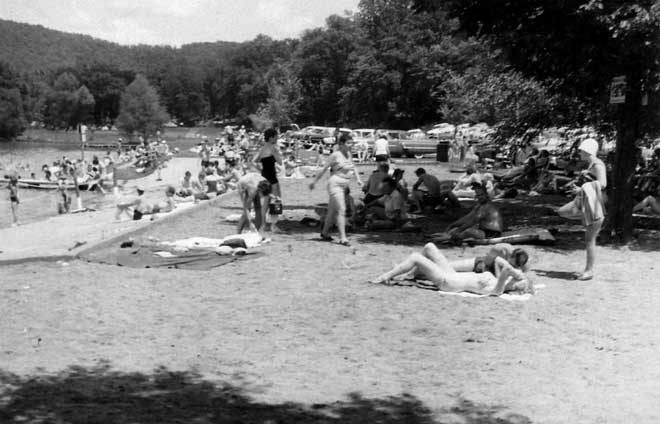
412,143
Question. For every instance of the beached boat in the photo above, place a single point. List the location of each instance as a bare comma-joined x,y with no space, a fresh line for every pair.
45,184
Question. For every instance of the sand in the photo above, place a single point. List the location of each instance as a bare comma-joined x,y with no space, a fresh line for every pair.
298,334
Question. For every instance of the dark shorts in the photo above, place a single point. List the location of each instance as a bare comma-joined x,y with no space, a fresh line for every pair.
271,177
432,200
382,158
14,199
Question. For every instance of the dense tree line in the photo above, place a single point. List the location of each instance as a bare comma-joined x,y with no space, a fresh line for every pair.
394,63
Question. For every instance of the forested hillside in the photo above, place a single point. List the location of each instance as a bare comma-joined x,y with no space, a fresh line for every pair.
35,48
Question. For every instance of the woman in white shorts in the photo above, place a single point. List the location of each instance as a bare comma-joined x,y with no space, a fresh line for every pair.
341,171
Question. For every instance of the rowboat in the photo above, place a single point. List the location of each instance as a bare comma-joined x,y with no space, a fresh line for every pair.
45,184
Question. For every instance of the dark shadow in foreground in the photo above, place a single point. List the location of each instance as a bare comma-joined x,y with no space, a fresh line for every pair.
100,395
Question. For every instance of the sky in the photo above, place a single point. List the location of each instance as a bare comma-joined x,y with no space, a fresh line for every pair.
176,22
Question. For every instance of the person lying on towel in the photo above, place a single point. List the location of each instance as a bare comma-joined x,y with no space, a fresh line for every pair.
482,222
516,257
433,266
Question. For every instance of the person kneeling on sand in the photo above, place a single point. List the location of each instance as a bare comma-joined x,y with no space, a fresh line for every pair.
432,265
254,191
482,222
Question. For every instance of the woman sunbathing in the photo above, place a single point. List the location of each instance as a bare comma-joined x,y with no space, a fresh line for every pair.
432,265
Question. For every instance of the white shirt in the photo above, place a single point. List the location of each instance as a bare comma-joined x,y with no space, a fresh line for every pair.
381,146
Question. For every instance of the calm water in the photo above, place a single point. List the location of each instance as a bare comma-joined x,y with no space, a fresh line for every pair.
25,158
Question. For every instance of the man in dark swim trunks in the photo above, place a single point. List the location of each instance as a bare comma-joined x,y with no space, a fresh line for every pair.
483,221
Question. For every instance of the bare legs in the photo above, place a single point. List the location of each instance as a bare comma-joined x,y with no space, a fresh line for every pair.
430,264
590,240
14,213
336,209
648,202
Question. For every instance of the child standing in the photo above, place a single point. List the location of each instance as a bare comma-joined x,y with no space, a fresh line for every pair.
13,198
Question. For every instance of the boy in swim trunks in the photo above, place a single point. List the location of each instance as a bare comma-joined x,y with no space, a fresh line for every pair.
13,198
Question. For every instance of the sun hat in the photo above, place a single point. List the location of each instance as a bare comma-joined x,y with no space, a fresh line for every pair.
589,146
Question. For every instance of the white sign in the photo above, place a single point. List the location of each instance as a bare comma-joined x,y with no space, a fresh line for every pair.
618,90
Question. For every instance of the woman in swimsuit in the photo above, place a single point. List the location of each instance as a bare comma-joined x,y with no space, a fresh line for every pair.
432,265
267,158
596,175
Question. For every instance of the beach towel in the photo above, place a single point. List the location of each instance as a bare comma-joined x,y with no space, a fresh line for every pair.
521,236
155,257
429,286
588,205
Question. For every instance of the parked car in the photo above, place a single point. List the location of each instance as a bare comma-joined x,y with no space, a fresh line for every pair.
442,131
394,139
314,135
419,145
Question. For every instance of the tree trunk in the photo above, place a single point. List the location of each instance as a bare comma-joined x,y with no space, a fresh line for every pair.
619,220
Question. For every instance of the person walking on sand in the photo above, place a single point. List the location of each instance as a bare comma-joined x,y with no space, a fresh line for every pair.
341,171
13,199
589,203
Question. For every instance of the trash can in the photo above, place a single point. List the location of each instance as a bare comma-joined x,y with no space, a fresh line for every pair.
442,152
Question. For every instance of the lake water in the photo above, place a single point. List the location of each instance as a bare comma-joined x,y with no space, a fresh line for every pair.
25,158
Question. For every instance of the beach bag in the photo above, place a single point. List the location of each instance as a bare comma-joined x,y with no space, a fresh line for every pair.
275,207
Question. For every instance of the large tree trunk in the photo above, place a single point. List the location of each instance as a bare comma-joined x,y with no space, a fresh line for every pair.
619,220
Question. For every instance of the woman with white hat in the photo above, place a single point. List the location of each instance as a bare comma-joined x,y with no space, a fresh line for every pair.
588,204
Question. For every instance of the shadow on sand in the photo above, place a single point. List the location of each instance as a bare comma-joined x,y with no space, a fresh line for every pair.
99,395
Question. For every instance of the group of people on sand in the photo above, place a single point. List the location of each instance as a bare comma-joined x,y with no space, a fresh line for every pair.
387,204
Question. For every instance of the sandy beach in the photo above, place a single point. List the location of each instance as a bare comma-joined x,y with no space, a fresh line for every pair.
298,335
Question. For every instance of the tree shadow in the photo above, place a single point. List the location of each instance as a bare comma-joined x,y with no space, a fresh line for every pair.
100,395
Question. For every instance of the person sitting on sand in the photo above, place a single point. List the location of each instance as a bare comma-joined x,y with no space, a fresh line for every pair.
129,205
389,210
432,265
148,208
463,187
374,189
649,204
254,191
187,184
401,184
483,221
432,194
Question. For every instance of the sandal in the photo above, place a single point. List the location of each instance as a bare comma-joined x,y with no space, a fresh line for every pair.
325,238
345,243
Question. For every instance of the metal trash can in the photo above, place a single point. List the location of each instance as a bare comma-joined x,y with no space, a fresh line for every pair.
442,151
